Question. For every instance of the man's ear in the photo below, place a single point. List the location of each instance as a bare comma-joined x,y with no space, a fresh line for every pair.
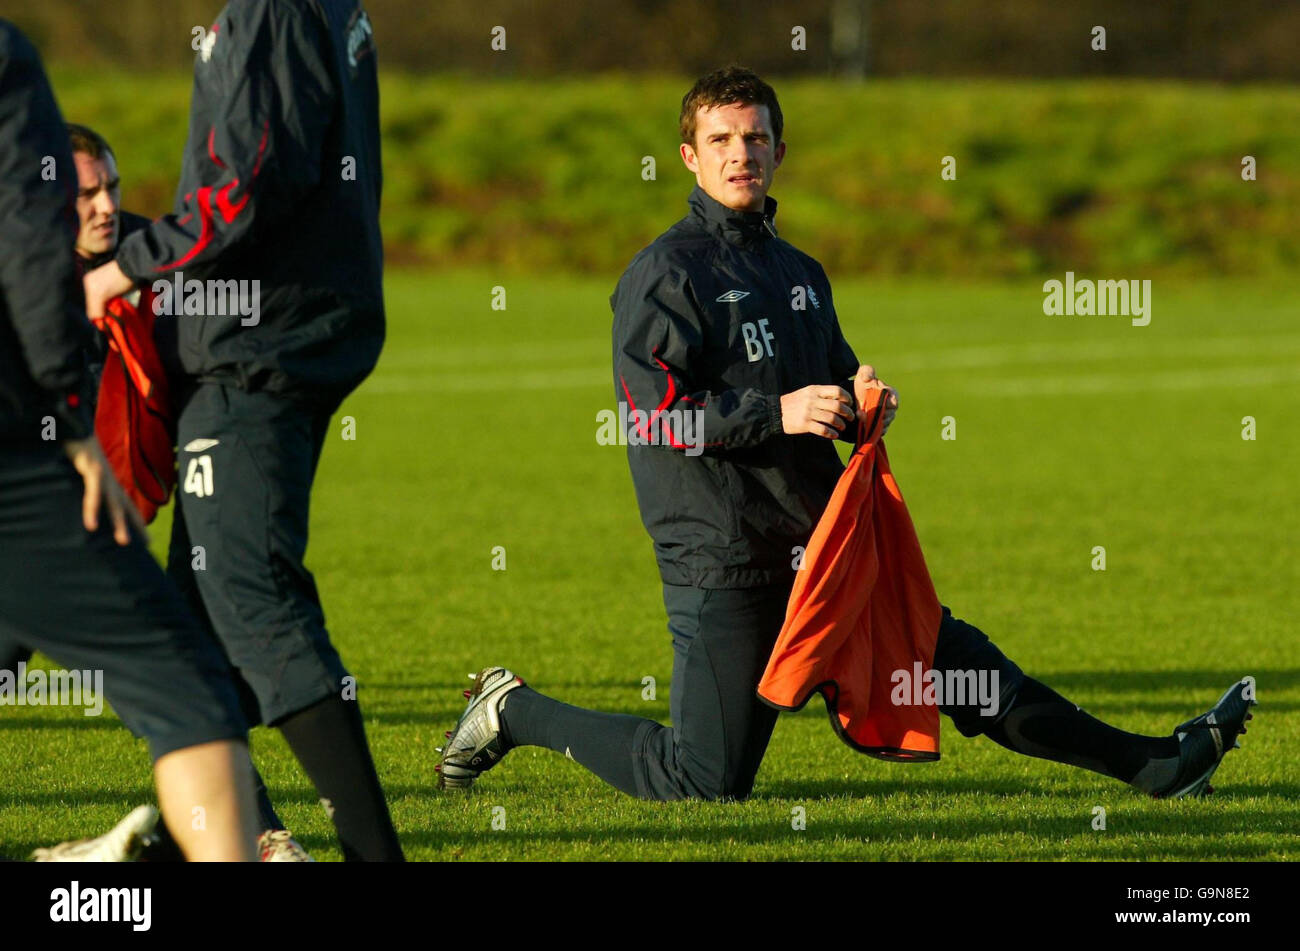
779,154
690,158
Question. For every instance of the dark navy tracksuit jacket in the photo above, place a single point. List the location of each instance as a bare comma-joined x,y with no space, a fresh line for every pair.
720,316
280,183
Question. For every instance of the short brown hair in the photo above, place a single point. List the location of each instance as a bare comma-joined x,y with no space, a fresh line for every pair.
89,142
722,87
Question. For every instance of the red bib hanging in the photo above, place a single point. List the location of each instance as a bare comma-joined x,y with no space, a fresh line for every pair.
862,608
134,416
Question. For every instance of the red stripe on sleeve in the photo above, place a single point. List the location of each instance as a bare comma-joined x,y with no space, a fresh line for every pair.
205,233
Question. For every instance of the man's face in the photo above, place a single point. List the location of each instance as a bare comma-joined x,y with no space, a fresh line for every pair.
734,157
98,196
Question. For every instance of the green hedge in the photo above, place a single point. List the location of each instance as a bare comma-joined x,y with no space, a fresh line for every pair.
1108,177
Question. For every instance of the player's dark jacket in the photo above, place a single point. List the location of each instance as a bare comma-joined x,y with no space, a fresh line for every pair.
280,183
44,336
708,319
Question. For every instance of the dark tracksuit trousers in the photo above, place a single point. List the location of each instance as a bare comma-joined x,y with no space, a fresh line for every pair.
239,535
12,654
722,639
247,461
91,604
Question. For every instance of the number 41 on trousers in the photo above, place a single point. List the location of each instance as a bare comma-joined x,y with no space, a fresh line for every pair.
198,477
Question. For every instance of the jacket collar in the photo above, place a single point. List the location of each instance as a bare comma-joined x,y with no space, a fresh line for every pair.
745,228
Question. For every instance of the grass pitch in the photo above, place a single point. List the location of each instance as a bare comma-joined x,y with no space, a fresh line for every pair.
478,430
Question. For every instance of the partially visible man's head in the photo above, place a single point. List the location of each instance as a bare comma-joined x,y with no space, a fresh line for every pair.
731,127
98,191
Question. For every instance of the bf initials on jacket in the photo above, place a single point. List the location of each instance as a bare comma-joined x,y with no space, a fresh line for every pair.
758,339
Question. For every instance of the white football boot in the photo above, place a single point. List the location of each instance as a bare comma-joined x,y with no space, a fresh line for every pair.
123,843
475,745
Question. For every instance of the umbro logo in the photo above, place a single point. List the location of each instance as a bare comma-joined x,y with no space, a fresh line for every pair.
732,296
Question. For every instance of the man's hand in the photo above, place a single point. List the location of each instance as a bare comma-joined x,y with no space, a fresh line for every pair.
102,285
867,373
101,486
822,410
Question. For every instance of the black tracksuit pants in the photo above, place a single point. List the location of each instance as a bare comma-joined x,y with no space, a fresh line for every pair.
722,639
239,535
93,605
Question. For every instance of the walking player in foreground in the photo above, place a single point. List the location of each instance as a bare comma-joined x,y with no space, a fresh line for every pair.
76,578
278,207
705,321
